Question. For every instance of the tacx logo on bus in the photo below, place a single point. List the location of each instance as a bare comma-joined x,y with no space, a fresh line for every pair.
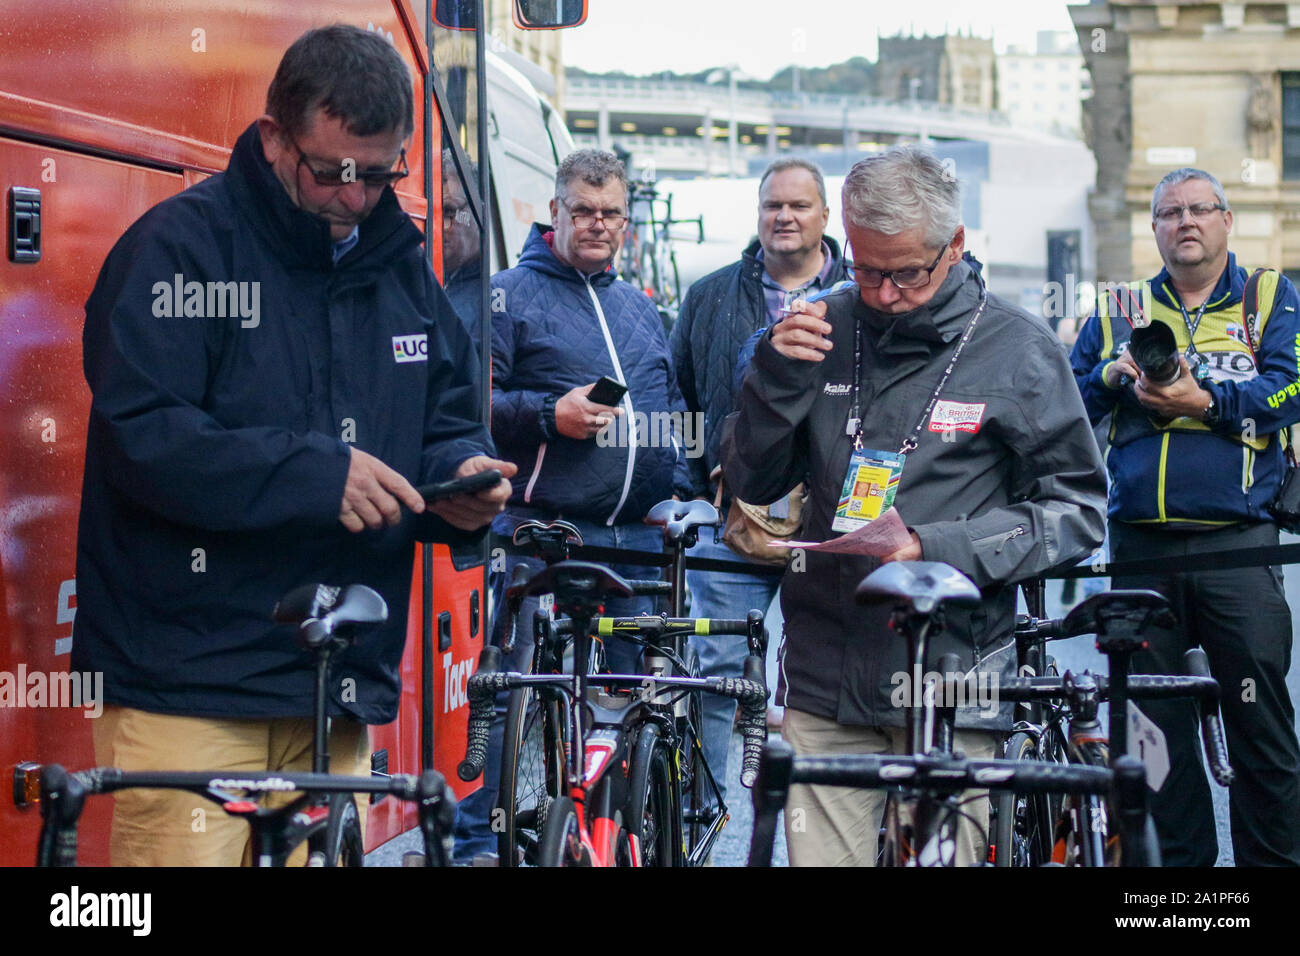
411,348
956,416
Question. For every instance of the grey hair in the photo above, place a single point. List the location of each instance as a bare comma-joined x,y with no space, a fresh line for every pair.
903,188
794,162
1181,176
595,167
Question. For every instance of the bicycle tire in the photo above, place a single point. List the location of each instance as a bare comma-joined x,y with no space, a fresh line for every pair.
560,845
344,843
654,814
1026,826
531,771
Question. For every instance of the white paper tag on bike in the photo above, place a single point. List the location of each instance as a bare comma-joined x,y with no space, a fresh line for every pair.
1146,741
546,602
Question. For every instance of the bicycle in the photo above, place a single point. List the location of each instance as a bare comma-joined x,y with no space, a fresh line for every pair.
1070,829
620,800
324,815
930,776
532,751
648,260
531,754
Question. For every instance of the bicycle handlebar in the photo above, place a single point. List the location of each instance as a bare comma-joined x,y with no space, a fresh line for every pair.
1198,665
1197,683
63,796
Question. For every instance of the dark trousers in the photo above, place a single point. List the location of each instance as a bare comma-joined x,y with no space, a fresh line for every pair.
1241,619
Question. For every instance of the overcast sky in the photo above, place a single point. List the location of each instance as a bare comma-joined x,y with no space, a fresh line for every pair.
762,36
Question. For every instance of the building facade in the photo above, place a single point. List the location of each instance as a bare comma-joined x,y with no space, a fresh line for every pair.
1188,83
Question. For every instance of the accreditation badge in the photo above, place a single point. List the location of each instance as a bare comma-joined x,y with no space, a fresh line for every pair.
869,488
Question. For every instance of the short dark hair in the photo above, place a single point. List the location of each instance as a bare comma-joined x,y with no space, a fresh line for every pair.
795,162
595,167
354,75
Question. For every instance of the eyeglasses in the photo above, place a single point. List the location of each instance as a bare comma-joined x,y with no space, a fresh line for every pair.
1201,210
913,278
348,173
584,218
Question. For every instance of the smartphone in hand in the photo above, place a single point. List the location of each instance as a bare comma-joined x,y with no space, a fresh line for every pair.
468,485
607,391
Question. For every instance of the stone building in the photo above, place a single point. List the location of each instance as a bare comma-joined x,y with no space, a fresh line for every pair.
954,70
1189,83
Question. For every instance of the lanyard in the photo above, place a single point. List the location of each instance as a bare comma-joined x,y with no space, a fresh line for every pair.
854,427
1192,325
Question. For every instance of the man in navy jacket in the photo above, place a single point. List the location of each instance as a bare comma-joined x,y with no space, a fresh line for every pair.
273,369
561,319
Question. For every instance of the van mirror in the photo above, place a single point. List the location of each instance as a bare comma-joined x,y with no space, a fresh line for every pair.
549,14
456,14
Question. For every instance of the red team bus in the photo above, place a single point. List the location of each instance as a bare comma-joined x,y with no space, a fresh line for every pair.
106,110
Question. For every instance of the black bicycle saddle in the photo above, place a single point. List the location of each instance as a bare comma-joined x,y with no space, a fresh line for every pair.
579,586
335,609
922,584
1120,614
679,517
544,534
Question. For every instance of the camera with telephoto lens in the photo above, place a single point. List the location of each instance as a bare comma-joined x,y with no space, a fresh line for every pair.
1155,352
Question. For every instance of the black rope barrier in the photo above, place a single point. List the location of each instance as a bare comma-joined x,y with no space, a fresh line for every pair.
1099,567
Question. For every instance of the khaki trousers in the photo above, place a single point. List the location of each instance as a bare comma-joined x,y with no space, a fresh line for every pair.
840,826
178,828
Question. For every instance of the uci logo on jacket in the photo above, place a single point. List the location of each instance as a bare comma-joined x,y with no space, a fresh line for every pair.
411,348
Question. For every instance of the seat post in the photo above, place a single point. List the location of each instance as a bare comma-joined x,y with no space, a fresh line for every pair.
320,761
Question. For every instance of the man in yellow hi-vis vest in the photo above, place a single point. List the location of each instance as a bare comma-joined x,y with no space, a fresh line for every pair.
1195,458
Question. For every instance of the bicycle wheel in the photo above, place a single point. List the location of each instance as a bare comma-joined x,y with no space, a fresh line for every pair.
344,845
561,844
654,814
1025,824
531,771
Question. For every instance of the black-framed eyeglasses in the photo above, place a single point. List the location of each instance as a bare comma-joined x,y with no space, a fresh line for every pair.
584,218
912,278
345,173
1200,210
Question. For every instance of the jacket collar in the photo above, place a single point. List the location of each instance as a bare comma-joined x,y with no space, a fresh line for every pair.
301,239
939,320
540,256
751,266
1227,291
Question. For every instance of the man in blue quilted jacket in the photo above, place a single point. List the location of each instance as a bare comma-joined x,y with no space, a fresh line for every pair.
562,319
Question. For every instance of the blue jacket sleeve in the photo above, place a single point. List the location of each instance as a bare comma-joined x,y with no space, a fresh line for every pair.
148,376
1089,367
515,412
1271,400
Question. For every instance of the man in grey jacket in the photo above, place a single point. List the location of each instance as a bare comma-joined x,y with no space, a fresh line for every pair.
1000,478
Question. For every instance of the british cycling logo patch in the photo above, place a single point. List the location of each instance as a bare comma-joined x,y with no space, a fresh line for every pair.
956,416
411,348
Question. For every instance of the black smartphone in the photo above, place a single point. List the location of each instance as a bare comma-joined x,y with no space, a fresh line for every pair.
460,486
607,392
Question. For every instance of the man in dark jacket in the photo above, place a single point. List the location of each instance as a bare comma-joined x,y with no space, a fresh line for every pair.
273,369
561,320
791,258
1000,478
